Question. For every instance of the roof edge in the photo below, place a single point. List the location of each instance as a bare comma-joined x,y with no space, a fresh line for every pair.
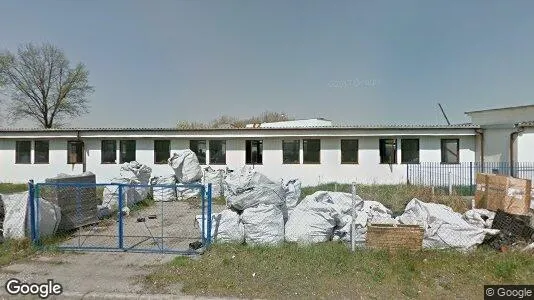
499,108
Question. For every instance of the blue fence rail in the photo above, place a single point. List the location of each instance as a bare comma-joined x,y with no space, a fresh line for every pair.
122,217
461,177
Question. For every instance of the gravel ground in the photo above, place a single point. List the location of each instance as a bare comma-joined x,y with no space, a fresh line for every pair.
114,272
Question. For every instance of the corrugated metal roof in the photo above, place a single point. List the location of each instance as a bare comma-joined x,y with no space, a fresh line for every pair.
499,108
154,129
527,124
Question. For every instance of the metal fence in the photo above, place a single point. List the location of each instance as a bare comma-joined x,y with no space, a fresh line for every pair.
461,177
122,217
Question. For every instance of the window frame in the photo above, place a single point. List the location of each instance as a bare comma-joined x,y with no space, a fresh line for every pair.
250,144
418,151
395,148
35,161
17,147
211,162
357,151
69,148
121,143
205,156
443,142
114,152
304,146
167,154
298,152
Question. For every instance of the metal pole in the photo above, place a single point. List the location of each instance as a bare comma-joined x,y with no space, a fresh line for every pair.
353,225
121,225
450,183
209,215
31,202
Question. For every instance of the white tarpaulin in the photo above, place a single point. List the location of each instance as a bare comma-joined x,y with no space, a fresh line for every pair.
230,229
214,217
319,214
479,217
164,193
185,165
264,225
444,228
17,222
131,195
216,178
136,172
185,192
248,188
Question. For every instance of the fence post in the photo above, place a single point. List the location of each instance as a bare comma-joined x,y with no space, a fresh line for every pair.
353,223
450,183
470,178
121,225
31,202
209,216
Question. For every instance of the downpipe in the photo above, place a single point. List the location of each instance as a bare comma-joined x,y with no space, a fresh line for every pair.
513,135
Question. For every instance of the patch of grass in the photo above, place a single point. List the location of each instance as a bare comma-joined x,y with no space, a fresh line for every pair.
330,270
10,188
395,197
12,250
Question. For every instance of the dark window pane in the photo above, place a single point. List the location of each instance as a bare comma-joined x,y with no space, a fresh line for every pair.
74,152
162,151
312,151
23,152
254,152
290,152
450,151
410,151
199,147
109,152
218,152
127,149
388,151
41,152
349,151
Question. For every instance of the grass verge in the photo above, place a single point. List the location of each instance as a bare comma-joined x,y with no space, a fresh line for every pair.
10,188
395,197
330,270
12,250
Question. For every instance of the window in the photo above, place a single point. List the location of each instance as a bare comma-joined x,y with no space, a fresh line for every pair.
40,155
218,152
74,152
450,151
23,151
162,151
109,152
199,147
312,151
127,149
254,152
291,152
388,151
349,151
410,151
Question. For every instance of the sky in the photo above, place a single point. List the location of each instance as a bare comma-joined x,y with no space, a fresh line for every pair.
154,63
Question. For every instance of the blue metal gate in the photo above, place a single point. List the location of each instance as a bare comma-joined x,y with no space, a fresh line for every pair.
122,217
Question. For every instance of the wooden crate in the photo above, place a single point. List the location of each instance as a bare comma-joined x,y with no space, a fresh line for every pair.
394,237
509,194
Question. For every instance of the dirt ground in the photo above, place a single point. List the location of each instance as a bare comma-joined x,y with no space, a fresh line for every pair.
87,273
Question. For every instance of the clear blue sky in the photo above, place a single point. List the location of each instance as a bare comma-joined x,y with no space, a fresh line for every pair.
154,63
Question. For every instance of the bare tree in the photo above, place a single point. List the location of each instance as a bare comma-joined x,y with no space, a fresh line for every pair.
42,86
234,121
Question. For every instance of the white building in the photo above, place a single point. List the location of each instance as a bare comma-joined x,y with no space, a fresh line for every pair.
313,150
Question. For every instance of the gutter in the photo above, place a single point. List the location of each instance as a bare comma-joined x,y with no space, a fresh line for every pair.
513,135
480,133
84,161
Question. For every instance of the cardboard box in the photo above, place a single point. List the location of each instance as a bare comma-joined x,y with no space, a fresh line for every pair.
393,237
509,194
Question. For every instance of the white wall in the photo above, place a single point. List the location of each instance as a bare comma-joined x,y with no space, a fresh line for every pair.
369,170
497,144
503,116
525,145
